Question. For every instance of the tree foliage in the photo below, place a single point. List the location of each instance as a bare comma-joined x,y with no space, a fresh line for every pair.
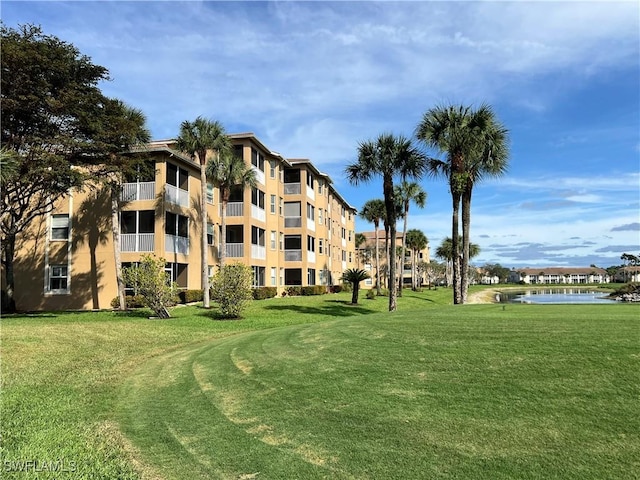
149,280
231,289
354,276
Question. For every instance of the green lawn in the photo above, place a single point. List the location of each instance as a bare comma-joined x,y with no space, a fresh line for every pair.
311,387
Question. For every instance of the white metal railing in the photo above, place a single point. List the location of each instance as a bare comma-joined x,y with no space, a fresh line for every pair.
138,191
176,195
258,213
235,209
293,255
291,188
234,250
311,257
344,266
344,243
292,221
258,252
343,220
137,242
311,225
310,193
175,244
259,175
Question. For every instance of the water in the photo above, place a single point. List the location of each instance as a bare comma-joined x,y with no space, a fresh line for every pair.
555,295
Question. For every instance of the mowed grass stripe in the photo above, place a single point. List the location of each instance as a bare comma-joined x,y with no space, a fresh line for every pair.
471,392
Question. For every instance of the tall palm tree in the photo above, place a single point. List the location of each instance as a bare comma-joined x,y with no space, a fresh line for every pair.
475,144
406,193
445,252
373,211
416,241
359,241
387,156
227,171
197,139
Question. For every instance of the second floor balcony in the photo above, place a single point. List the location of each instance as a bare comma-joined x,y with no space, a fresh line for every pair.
176,244
234,250
137,242
235,209
293,255
138,191
176,196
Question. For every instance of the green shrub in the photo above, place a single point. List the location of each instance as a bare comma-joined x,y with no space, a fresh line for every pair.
261,293
189,296
132,301
371,294
294,291
335,288
347,287
231,289
313,290
150,281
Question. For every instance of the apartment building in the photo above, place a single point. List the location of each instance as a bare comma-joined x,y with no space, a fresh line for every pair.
366,259
555,275
294,228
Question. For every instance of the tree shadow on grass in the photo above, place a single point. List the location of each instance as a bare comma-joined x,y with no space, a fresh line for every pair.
332,308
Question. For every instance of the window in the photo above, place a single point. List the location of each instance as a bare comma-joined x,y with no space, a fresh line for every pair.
209,193
134,221
177,273
293,276
257,159
320,187
311,243
281,207
178,177
350,257
320,216
292,242
310,180
211,238
60,227
272,204
343,233
282,241
311,276
272,240
292,175
273,276
257,236
320,246
350,232
58,278
177,225
311,212
236,194
344,256
257,198
272,169
235,234
258,276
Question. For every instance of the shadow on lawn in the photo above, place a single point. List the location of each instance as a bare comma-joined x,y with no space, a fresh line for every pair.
332,308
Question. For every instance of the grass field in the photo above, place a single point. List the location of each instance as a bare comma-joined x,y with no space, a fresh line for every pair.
311,387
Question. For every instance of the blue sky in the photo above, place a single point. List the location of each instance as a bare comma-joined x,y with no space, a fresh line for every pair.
313,79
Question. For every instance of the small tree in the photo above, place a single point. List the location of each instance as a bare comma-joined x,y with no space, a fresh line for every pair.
354,276
150,280
231,289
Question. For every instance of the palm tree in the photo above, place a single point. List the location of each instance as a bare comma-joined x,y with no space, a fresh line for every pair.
475,144
354,276
416,241
387,156
360,240
406,193
373,211
227,171
198,138
445,252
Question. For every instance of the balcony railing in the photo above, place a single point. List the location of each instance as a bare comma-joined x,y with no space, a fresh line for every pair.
175,244
292,189
258,252
311,225
258,213
311,257
344,243
138,191
235,209
137,242
292,222
176,195
293,255
234,250
259,175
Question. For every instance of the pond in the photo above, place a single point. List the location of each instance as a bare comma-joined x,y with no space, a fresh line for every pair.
555,295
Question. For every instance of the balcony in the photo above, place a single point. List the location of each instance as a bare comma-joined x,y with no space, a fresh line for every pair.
290,222
292,189
258,252
259,175
311,225
293,255
258,213
176,195
344,243
311,193
137,242
311,257
234,250
175,244
235,209
138,191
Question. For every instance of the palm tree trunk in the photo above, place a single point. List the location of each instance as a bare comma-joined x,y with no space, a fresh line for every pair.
115,232
392,275
389,201
386,254
204,259
455,257
222,254
378,291
402,249
9,246
466,224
